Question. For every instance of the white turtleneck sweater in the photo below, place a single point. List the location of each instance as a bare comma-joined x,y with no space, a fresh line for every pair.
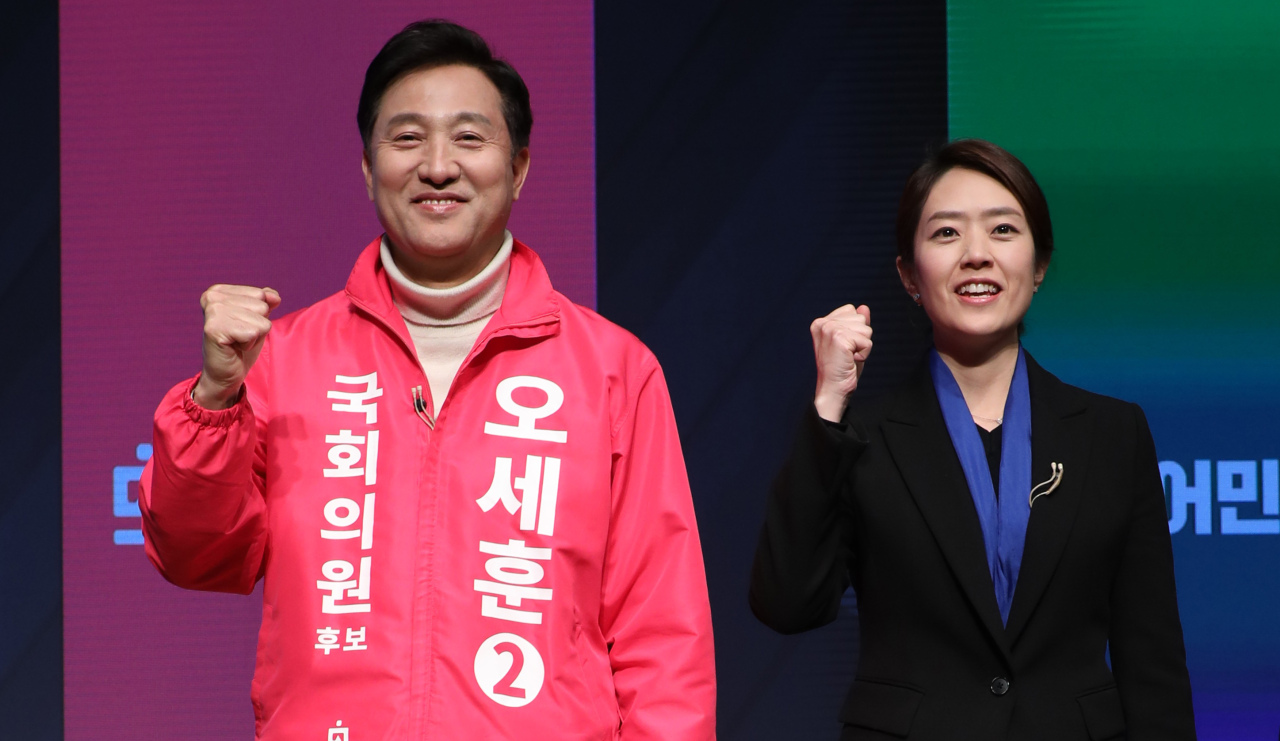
445,322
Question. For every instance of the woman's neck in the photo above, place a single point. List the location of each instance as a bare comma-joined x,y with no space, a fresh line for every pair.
983,375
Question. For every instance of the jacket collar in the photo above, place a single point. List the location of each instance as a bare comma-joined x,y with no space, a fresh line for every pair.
530,306
1060,423
918,441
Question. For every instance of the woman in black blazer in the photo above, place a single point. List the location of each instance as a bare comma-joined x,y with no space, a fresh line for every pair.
1004,532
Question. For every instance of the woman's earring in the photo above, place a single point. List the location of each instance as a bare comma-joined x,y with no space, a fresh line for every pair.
916,297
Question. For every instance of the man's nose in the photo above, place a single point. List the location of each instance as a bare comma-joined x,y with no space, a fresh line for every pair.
438,166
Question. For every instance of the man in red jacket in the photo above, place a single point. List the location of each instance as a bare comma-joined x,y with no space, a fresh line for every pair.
464,494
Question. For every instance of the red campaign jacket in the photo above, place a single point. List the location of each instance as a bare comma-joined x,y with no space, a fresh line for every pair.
528,569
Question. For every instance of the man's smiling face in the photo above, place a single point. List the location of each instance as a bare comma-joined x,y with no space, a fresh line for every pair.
440,171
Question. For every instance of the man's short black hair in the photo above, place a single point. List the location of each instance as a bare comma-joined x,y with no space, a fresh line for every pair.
436,43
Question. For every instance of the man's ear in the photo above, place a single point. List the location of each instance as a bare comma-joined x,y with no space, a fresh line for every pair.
367,167
519,169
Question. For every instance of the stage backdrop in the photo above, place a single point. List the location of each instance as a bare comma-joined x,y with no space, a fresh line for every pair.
217,143
202,145
1151,126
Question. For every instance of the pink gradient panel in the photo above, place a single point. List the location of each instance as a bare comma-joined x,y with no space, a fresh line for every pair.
217,143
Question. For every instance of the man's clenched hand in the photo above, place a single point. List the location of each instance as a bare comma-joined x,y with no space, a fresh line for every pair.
235,327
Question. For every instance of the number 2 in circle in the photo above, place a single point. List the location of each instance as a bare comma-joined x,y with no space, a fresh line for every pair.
504,685
509,670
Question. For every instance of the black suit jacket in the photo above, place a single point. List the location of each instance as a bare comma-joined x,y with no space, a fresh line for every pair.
881,502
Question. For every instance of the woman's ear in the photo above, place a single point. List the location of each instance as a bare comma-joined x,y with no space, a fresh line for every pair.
908,276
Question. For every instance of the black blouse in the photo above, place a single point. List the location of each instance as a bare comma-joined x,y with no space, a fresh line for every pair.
991,443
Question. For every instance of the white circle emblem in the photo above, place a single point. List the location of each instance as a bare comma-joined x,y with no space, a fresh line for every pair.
509,670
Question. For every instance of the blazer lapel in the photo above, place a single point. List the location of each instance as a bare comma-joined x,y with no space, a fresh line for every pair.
1059,434
918,441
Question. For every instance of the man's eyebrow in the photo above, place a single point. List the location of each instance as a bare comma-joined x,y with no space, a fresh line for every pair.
421,120
997,211
404,118
471,117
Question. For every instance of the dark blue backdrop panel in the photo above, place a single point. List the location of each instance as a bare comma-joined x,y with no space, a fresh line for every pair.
30,500
750,157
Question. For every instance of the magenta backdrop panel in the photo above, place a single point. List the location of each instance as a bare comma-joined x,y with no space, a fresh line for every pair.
207,143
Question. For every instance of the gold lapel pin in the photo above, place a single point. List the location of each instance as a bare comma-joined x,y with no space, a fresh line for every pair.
1052,483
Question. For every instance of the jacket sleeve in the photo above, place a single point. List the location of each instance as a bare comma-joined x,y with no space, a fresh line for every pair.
203,514
1148,658
801,563
655,614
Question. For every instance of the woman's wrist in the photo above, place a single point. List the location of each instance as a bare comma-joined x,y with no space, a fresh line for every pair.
830,406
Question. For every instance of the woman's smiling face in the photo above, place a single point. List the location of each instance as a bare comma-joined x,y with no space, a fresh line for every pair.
975,262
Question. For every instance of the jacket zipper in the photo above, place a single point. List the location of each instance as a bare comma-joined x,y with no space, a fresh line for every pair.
420,403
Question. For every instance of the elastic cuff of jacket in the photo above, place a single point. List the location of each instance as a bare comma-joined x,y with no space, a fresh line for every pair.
222,418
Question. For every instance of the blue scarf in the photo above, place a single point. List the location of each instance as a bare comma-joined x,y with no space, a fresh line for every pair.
1004,521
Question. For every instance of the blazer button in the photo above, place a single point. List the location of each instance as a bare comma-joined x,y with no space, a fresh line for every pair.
999,686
